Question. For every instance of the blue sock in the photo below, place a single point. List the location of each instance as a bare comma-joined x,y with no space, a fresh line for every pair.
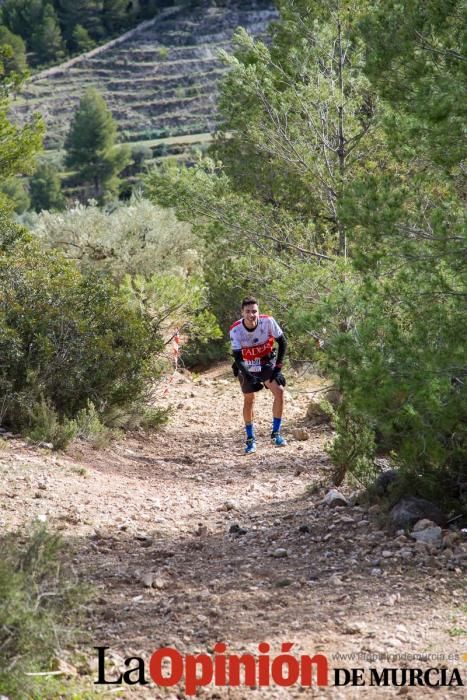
276,424
249,430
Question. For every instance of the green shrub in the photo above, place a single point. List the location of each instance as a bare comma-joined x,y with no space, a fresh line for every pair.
153,418
135,416
135,238
66,337
353,449
150,134
45,426
199,352
14,189
45,188
80,40
40,605
90,427
139,155
163,53
161,150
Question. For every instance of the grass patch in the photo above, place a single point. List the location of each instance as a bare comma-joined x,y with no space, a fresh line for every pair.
205,137
41,605
137,417
90,428
46,426
80,471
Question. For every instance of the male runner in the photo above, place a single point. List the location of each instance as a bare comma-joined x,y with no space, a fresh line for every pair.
252,339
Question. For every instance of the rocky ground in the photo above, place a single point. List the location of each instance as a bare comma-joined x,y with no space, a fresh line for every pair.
188,542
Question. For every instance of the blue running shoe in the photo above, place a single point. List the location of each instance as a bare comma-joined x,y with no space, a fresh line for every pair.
250,447
278,440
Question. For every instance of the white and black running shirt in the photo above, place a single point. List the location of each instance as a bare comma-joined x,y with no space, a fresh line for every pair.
255,344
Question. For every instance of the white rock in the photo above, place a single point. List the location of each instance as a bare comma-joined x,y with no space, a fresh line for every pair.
429,535
147,579
334,498
393,642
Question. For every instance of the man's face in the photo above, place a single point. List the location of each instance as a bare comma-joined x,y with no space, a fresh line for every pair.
250,315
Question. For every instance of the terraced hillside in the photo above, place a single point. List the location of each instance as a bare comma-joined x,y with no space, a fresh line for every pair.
160,79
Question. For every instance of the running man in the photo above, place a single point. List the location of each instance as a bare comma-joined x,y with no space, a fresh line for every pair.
252,339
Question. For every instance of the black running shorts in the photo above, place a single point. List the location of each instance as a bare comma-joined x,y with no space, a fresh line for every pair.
264,375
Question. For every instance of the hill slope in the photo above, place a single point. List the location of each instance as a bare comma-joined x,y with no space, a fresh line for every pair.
159,79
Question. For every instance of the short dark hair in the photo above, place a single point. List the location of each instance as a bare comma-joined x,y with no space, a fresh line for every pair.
248,301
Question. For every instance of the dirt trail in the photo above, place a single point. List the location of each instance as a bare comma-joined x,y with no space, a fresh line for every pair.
151,520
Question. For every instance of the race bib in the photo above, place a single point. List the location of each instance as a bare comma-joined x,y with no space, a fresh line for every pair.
254,365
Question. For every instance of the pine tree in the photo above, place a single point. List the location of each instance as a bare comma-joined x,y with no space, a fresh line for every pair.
407,358
115,15
15,14
418,63
24,17
298,123
87,13
14,189
91,146
18,144
80,40
46,40
37,23
45,189
14,52
301,109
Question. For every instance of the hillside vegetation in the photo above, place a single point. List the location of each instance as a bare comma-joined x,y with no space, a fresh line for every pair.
159,79
49,31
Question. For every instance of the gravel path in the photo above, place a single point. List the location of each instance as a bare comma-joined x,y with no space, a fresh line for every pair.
188,543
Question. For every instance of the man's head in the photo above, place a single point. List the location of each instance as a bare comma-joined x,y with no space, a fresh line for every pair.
250,312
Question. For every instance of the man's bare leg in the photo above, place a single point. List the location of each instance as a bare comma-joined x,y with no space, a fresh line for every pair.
278,402
248,403
277,409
